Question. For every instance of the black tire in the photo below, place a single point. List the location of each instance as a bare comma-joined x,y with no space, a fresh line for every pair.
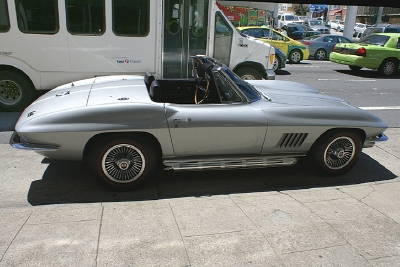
320,54
295,56
355,68
388,67
16,91
247,73
336,152
123,163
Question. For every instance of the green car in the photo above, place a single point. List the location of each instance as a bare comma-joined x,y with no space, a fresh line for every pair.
380,51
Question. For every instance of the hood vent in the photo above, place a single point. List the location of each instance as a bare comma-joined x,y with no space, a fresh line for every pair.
291,140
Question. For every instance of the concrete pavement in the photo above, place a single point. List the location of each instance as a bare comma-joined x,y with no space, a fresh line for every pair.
52,213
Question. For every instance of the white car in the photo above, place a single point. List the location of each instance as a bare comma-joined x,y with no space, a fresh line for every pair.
340,26
285,19
359,27
334,23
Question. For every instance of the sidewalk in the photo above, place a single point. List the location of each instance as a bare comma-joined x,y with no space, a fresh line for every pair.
54,214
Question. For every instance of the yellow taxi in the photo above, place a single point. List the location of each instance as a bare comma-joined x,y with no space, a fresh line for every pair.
294,50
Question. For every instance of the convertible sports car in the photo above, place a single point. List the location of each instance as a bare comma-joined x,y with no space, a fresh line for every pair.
128,127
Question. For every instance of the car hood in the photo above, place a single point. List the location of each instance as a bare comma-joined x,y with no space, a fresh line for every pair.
293,93
88,92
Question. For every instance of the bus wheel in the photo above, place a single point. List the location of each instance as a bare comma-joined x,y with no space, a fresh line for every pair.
247,73
16,91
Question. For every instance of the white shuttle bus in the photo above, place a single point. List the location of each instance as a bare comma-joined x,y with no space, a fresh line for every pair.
47,43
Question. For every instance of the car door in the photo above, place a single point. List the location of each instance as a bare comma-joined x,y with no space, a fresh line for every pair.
216,129
278,40
398,49
329,42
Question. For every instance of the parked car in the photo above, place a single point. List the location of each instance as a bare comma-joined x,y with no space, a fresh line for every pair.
320,47
380,51
386,28
340,26
285,19
303,18
333,24
127,128
294,50
317,25
359,28
297,32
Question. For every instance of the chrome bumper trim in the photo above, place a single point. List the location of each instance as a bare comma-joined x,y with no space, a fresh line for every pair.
17,142
227,163
380,138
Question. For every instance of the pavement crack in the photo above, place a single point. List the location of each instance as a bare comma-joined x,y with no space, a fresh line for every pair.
12,241
180,233
98,238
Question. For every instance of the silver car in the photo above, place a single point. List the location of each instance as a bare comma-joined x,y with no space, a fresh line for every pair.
128,127
320,47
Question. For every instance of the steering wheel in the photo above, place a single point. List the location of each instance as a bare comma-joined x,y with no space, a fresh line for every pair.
205,90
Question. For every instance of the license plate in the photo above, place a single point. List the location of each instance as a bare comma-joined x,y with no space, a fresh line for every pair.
345,51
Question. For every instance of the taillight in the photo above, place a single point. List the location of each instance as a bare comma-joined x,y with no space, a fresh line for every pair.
334,49
306,43
361,52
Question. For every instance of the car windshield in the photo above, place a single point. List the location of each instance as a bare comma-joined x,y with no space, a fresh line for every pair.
291,18
375,39
248,90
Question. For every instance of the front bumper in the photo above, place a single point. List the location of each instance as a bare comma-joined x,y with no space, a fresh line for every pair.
371,142
17,142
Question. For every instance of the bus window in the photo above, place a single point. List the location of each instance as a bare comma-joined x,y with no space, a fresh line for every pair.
4,22
131,18
37,16
85,17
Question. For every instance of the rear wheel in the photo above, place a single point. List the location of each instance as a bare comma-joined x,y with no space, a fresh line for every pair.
123,163
295,56
320,54
247,73
16,91
388,67
336,152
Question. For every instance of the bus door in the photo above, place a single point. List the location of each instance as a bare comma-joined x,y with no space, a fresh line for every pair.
185,34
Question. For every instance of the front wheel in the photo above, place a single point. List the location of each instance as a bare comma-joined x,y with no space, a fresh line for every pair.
388,67
295,56
335,153
320,54
16,91
247,73
277,64
123,163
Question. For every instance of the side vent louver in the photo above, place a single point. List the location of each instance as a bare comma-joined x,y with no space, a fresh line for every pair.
290,140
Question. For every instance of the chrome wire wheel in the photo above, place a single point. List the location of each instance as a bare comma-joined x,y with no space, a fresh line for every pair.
339,153
123,163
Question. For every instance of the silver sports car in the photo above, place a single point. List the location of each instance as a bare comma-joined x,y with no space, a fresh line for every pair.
128,127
